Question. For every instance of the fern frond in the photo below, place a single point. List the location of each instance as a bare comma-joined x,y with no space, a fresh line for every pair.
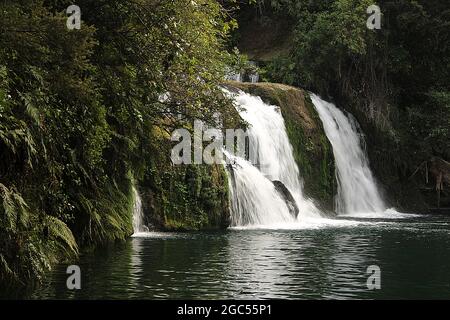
14,208
60,230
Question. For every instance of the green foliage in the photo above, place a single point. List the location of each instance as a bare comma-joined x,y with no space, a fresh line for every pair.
78,112
429,124
239,63
394,80
183,197
15,214
59,230
326,36
280,70
30,243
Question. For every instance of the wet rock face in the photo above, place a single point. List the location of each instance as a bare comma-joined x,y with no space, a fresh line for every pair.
287,196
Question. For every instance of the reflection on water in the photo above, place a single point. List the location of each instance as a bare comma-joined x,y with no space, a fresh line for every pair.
329,262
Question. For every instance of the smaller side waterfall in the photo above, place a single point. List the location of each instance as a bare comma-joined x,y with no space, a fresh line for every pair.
243,75
234,76
138,213
357,190
254,76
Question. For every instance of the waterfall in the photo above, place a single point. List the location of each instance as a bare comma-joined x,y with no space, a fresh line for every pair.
357,190
254,198
233,75
254,76
138,213
243,75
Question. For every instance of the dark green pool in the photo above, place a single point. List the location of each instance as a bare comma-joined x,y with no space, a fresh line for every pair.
327,261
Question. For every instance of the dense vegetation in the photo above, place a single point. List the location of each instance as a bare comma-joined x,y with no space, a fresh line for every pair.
86,115
82,119
395,79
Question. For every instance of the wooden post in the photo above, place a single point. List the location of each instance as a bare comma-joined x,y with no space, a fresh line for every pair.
439,187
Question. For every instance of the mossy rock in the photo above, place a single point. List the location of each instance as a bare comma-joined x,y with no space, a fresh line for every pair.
183,197
186,198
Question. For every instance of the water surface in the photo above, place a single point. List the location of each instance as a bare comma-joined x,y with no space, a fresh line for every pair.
321,261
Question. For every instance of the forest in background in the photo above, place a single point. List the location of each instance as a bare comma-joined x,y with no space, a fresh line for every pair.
395,80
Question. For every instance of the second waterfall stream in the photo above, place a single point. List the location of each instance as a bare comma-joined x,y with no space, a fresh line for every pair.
357,192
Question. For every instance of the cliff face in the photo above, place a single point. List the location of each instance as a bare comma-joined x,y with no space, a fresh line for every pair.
191,197
312,150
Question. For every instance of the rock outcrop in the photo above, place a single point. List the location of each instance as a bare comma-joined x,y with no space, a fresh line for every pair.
287,196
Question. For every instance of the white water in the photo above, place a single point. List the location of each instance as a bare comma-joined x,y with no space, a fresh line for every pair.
233,76
254,78
357,193
138,213
254,199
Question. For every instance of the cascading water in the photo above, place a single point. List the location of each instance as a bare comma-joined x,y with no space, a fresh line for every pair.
254,198
138,214
357,190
